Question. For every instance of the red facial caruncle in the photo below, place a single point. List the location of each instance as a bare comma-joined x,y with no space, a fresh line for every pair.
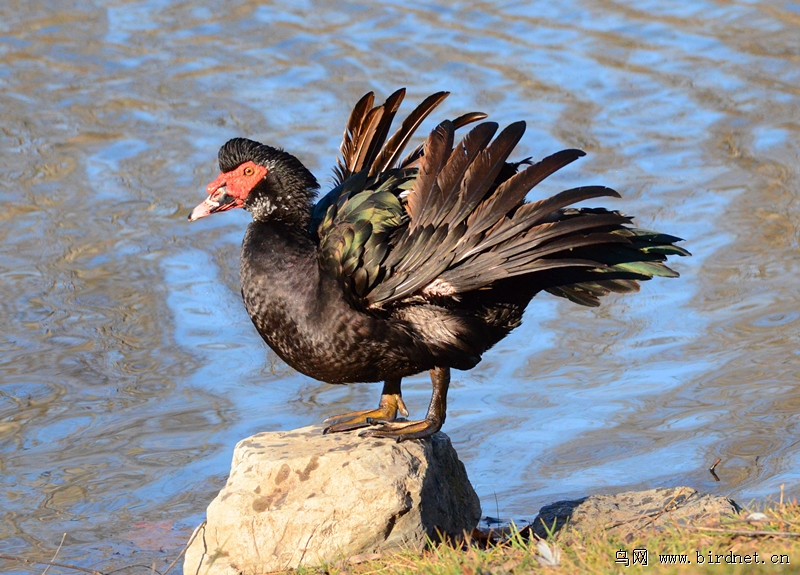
229,190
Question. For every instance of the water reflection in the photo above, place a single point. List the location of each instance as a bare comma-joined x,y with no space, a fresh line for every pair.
128,367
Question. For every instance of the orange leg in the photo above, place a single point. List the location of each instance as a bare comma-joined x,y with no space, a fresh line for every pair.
434,419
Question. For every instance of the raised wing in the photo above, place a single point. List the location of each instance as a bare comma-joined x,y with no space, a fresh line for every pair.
355,220
469,227
452,218
364,144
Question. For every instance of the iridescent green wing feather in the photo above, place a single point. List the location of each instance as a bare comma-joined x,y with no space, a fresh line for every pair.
354,232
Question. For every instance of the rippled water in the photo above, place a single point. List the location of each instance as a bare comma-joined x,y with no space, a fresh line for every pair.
129,369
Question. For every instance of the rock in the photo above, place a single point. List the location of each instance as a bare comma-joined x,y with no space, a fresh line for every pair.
632,510
303,498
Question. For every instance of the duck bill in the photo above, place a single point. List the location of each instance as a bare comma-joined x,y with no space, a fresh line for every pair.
218,200
211,206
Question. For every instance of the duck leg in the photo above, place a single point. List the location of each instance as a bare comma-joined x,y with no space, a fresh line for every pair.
434,419
390,404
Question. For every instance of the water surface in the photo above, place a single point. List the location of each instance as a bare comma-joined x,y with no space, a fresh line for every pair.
129,369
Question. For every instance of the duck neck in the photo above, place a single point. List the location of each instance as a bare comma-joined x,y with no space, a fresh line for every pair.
287,193
279,242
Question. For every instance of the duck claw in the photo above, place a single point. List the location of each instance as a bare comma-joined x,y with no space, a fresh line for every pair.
386,413
404,430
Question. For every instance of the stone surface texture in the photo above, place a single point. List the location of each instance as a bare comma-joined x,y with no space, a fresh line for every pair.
303,498
632,510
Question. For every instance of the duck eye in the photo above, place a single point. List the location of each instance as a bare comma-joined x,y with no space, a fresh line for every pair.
249,171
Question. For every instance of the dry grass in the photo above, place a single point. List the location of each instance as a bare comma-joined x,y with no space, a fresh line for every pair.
770,542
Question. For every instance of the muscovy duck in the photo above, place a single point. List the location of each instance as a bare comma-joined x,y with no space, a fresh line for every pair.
419,263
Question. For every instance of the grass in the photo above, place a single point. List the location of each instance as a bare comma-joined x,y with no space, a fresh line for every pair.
767,542
765,538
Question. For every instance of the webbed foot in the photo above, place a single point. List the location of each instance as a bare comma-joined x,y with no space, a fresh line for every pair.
390,405
385,416
434,419
404,430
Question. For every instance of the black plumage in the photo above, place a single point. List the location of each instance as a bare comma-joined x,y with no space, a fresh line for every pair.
420,263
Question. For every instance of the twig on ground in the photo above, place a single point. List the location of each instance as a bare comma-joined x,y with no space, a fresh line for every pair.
64,536
742,531
713,467
50,563
185,547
